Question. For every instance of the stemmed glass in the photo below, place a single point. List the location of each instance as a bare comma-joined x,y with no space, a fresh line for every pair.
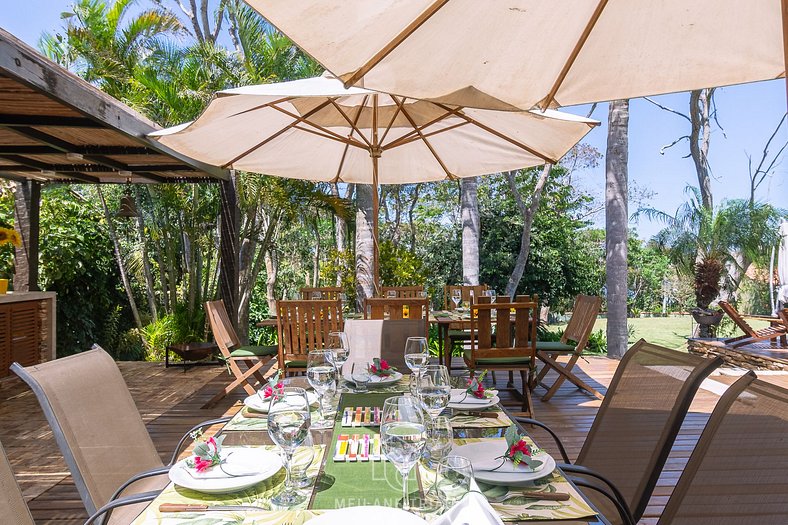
454,479
416,353
403,436
321,374
434,389
316,296
491,294
340,349
288,426
456,297
391,294
439,441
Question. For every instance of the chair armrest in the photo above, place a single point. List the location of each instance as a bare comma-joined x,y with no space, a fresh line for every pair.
158,471
115,503
529,421
186,436
585,471
623,510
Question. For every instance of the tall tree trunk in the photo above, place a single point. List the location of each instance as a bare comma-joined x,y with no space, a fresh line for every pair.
150,291
124,276
469,210
271,270
411,224
27,201
316,256
616,227
365,284
700,136
527,213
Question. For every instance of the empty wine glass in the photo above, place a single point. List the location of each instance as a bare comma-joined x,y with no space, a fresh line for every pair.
391,294
439,441
454,479
416,353
288,426
340,349
316,296
491,294
434,388
403,436
303,456
360,376
321,374
456,297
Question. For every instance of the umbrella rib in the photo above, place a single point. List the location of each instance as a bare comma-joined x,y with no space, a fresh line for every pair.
395,42
449,175
351,123
391,123
337,136
411,135
350,135
272,137
263,106
341,140
508,139
575,52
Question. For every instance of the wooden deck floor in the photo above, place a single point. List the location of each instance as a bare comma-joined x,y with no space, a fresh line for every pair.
170,400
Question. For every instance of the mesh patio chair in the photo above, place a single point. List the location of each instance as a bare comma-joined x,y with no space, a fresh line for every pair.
751,335
304,326
253,358
13,508
393,309
572,343
636,425
381,338
100,432
324,293
403,292
738,472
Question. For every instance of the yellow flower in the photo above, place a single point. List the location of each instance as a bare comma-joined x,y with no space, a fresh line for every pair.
10,236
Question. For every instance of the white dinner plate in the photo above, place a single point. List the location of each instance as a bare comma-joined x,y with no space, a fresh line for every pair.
483,454
257,403
378,515
376,381
254,465
468,402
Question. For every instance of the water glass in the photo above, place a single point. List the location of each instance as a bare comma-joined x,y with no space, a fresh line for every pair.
288,426
317,296
403,435
434,389
454,479
439,441
360,376
321,374
303,456
339,345
391,294
456,297
416,353
491,294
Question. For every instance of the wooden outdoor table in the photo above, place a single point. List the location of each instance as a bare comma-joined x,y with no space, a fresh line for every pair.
324,437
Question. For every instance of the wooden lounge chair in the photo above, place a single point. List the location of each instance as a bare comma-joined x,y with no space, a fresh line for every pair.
572,343
393,309
235,355
304,326
327,293
498,344
100,432
636,425
771,333
403,292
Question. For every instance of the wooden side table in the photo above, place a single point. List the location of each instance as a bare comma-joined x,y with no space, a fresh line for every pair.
194,353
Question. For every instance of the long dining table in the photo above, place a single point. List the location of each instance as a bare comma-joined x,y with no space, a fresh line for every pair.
341,484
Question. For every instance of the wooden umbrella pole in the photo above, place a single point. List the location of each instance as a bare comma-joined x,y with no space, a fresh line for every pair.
375,154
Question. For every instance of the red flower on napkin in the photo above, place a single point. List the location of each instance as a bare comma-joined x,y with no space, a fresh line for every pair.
268,391
475,386
207,452
381,368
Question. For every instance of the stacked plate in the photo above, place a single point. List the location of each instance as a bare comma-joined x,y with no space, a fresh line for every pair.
489,468
241,468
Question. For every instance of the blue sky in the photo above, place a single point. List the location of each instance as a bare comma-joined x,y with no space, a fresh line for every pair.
748,114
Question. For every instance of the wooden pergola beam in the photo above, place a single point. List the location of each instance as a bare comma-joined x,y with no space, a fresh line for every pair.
82,150
47,120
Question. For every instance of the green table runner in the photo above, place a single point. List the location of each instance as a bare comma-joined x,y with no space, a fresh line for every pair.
348,484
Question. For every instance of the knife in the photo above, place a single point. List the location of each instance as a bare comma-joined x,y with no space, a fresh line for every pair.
188,507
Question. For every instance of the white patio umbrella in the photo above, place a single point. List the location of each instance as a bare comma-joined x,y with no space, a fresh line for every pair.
536,53
315,129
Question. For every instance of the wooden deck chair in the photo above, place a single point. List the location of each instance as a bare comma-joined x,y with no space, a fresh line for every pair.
403,292
572,343
327,293
235,355
636,425
393,309
100,433
304,326
498,344
737,473
751,335
469,293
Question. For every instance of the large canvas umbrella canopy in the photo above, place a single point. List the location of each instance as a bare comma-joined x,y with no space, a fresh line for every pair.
536,53
315,129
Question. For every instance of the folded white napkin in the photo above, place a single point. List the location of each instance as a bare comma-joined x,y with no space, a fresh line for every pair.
227,470
473,509
505,466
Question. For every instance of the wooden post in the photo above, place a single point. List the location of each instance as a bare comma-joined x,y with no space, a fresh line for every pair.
228,247
27,207
375,153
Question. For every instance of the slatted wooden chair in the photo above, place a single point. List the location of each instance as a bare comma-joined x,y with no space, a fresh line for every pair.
304,326
235,355
572,343
402,292
393,309
327,293
751,335
500,343
469,293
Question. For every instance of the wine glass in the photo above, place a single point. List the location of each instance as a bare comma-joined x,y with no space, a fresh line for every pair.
403,436
416,353
303,457
321,374
439,441
434,388
339,345
391,294
316,296
360,376
491,294
456,297
454,479
288,426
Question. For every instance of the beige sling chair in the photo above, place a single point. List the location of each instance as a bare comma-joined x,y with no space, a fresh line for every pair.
12,505
573,342
385,339
635,427
235,355
100,432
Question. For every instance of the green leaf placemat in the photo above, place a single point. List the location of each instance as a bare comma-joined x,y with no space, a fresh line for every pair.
258,495
242,421
516,507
